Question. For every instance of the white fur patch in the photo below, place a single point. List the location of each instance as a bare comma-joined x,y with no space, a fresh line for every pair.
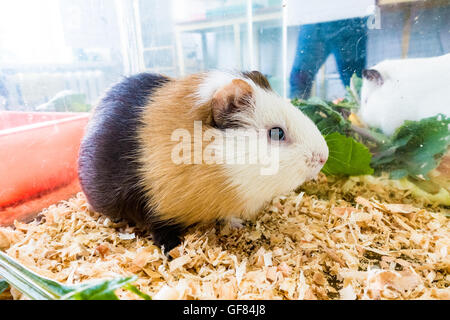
413,89
215,80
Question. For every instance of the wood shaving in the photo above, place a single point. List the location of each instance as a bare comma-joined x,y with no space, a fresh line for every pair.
330,239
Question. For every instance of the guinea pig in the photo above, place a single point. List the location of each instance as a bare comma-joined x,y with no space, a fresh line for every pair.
410,89
128,165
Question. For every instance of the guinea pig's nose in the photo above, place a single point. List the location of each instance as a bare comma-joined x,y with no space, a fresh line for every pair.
319,158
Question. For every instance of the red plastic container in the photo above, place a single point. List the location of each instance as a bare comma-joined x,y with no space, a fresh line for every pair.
38,161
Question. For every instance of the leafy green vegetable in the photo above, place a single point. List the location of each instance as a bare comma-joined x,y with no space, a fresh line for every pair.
326,118
346,157
354,91
136,291
98,290
415,148
27,282
3,285
39,288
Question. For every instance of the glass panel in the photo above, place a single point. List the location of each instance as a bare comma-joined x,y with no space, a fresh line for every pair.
335,42
61,55
57,55
192,36
379,162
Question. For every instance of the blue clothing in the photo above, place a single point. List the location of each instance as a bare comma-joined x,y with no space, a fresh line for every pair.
346,39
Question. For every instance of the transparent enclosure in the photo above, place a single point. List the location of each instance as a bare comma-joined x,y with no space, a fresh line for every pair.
57,58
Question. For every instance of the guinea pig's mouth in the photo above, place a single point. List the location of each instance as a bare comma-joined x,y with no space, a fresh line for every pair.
319,159
315,163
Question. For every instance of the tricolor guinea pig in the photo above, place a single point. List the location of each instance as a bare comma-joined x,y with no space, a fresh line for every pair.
409,89
133,163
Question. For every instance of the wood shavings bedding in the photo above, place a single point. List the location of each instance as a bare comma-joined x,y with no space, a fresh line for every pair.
331,239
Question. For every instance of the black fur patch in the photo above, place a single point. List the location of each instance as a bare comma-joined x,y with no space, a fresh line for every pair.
373,75
108,167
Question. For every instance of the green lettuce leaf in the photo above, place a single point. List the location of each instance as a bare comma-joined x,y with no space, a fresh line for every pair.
36,287
415,148
354,90
346,156
98,290
326,118
3,285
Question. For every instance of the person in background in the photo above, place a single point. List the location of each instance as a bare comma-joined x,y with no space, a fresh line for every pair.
328,27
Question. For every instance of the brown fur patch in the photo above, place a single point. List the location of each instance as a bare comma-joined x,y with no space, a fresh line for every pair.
258,78
184,193
232,98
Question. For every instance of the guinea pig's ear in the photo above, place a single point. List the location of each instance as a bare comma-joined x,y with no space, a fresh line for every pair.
235,97
258,78
373,75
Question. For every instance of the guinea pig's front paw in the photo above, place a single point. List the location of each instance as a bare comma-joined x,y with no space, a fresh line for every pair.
167,244
167,238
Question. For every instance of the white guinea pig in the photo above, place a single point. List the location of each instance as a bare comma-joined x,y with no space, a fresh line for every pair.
127,166
410,89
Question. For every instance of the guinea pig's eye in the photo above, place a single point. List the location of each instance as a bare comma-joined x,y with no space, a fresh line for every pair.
277,134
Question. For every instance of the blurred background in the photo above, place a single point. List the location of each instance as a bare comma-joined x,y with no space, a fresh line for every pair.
60,55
